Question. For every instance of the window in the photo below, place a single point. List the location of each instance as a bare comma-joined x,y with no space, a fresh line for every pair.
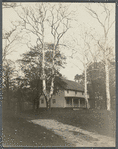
67,101
75,92
42,101
82,93
53,101
67,91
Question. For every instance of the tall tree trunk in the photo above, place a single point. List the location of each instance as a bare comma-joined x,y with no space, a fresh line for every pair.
43,66
85,89
53,73
85,81
47,103
106,25
107,87
107,76
48,96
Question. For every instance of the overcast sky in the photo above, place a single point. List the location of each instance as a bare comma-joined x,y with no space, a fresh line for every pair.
83,19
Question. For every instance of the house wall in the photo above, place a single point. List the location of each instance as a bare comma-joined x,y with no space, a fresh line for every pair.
73,94
59,97
59,100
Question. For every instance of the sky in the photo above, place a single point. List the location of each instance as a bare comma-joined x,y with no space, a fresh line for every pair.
82,21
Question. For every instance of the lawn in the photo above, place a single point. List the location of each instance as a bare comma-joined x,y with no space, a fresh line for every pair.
99,121
18,131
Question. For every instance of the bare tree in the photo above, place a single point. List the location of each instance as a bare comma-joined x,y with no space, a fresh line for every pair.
9,37
106,24
59,22
34,19
7,64
84,51
8,5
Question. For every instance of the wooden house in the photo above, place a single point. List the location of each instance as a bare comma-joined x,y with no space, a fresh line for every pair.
71,96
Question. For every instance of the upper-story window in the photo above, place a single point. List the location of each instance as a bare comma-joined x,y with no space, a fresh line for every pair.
82,93
67,91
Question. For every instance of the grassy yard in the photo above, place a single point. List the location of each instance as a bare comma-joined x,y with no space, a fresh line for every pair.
99,121
18,131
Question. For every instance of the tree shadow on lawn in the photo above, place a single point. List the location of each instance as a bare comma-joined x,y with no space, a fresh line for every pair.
18,131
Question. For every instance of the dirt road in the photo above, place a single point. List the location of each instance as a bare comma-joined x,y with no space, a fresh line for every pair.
74,135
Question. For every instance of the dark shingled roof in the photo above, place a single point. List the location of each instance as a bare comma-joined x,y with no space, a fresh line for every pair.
72,85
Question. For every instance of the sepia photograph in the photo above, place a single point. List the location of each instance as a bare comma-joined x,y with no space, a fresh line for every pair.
58,74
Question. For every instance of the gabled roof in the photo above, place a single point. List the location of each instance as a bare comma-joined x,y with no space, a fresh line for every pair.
72,85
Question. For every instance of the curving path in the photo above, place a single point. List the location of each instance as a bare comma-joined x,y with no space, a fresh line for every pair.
74,135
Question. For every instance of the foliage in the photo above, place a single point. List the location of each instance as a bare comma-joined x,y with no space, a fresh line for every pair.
31,65
8,79
79,78
96,83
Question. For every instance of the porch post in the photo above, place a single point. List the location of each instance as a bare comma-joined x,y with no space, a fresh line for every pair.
72,102
79,102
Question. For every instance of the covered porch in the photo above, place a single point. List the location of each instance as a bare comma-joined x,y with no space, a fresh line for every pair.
75,102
